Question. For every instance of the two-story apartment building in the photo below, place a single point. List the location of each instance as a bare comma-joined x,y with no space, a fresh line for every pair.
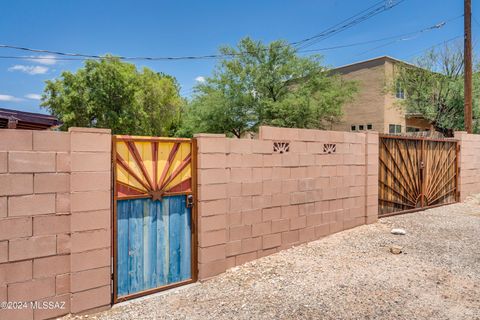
375,107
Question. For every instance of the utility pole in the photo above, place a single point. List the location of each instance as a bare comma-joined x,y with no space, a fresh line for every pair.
467,56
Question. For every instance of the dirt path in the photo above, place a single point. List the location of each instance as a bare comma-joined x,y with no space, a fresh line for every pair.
350,275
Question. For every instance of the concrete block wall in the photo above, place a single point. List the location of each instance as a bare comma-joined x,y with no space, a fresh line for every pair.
469,163
254,202
55,220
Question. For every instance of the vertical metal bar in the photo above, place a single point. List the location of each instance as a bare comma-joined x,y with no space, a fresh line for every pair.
194,210
114,218
422,174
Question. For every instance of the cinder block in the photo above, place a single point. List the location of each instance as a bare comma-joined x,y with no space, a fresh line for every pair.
212,160
251,244
11,140
16,184
90,161
271,187
280,225
51,266
91,220
250,189
94,298
62,203
27,161
51,141
289,212
90,142
307,234
90,259
212,192
3,161
15,272
50,313
262,147
240,174
63,162
51,182
211,223
32,290
244,258
15,228
298,197
298,223
3,251
64,243
234,219
89,240
212,145
212,238
31,205
272,160
290,237
242,146
62,284
290,159
212,176
272,241
210,269
90,279
209,208
213,253
251,217
16,314
240,232
234,189
90,200
90,181
252,160
41,246
233,248
269,214
261,229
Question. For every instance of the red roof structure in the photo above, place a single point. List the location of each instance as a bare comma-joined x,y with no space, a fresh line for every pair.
14,119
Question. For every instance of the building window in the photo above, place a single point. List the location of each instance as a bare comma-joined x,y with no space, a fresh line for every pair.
361,127
394,128
354,128
399,92
413,129
369,127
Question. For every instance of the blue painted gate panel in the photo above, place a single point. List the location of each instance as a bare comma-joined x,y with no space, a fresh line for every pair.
154,243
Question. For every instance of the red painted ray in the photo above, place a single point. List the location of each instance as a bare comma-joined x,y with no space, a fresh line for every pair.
172,176
124,190
139,161
171,156
185,185
125,166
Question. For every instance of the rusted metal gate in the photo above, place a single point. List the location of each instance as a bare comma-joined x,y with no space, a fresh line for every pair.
154,238
416,173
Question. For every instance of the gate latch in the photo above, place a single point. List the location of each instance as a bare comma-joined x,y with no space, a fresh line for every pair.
422,164
189,201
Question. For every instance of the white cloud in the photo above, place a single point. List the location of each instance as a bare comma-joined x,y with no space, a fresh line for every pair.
48,59
8,98
200,79
32,70
33,96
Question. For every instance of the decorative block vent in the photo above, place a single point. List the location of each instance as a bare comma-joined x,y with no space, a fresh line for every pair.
329,148
281,146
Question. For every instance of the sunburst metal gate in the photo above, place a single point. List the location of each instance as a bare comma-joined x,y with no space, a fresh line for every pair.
154,238
416,173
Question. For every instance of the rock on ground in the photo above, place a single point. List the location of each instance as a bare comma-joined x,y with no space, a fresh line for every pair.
349,275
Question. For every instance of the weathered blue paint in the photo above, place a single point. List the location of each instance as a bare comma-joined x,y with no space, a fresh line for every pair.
154,243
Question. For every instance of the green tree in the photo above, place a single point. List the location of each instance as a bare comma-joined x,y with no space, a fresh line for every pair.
114,94
266,84
434,88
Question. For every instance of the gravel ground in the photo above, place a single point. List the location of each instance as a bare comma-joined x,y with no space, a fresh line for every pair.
349,275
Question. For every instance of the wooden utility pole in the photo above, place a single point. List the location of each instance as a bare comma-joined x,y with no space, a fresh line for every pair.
467,54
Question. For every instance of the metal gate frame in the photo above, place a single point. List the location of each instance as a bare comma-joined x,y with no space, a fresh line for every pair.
423,140
194,217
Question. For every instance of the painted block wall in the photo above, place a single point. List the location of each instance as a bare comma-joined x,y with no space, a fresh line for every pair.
55,231
469,163
254,202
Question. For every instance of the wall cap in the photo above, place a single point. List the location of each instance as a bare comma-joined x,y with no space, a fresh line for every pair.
209,135
90,130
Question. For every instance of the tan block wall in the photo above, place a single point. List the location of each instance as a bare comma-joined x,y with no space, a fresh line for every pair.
469,164
54,220
254,202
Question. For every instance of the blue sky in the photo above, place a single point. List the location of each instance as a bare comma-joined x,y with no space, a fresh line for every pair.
179,28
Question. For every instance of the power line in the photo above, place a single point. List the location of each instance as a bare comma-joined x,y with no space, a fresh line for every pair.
339,27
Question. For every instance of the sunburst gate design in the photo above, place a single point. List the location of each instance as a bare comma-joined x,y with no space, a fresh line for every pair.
416,173
150,168
281,146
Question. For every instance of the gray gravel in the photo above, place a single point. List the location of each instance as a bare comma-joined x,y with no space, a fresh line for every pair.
349,275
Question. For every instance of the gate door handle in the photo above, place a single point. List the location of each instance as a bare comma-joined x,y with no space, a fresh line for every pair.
189,201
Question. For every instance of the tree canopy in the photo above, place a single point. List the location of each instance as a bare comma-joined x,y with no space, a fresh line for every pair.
434,88
269,84
113,94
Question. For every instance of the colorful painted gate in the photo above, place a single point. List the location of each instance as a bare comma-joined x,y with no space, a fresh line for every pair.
154,217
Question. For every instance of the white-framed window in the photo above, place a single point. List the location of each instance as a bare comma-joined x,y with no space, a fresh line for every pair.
354,127
369,127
